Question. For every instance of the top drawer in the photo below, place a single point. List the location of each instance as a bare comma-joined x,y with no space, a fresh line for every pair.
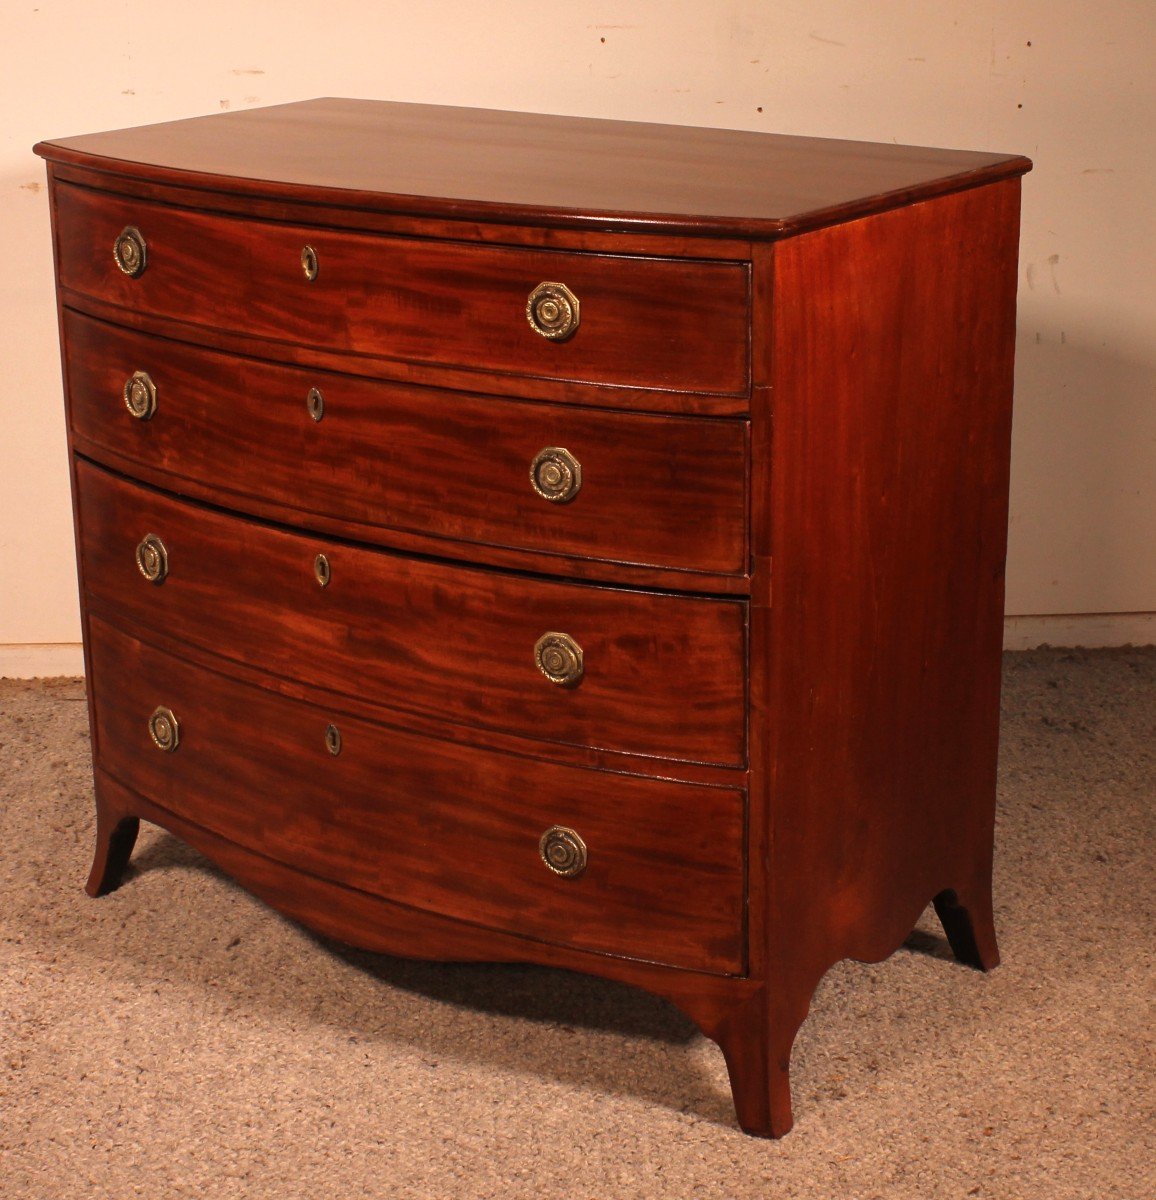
672,324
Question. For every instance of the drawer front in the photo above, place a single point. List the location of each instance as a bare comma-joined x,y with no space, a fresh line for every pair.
672,324
448,828
642,673
650,490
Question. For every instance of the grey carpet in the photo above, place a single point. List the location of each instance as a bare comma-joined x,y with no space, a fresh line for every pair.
177,1038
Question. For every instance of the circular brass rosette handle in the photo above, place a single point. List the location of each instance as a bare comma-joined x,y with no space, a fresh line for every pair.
559,658
322,571
140,395
333,740
309,263
130,251
152,559
315,403
556,475
165,729
563,851
552,310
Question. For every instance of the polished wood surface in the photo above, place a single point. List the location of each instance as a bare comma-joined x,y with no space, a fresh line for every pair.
672,324
457,378
325,210
890,380
451,830
788,589
656,491
471,164
362,919
664,674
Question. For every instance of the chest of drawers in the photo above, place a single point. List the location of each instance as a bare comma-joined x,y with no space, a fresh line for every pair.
534,539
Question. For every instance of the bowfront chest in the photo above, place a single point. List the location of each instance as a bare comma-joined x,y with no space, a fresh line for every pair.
518,538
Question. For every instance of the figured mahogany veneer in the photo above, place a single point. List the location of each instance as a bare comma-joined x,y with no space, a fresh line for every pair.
776,594
656,323
661,492
449,829
425,636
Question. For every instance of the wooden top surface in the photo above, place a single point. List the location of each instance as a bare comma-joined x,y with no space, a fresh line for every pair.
488,165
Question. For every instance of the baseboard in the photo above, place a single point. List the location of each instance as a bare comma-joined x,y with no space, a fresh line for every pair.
41,659
1090,630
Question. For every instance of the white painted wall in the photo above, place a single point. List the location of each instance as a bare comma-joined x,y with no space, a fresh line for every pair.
1067,82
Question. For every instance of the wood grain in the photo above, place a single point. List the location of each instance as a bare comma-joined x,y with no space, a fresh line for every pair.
671,324
473,164
451,830
664,674
374,366
880,654
274,206
359,918
767,783
656,491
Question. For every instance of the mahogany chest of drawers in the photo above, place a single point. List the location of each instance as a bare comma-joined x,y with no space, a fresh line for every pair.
536,539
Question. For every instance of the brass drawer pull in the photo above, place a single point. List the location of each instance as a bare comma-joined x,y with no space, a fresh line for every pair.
556,475
309,263
130,251
165,729
140,395
563,851
333,740
152,559
559,658
552,310
315,403
322,571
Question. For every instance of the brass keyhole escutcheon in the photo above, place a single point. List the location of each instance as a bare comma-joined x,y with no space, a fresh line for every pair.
315,403
309,263
556,475
130,251
552,310
333,740
559,658
165,729
322,572
140,395
563,851
152,559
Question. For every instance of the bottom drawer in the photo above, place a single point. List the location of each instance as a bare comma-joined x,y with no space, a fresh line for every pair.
451,828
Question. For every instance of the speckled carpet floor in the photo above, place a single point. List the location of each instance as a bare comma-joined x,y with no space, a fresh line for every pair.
179,1039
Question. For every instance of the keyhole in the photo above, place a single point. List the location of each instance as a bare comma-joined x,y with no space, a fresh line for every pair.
309,263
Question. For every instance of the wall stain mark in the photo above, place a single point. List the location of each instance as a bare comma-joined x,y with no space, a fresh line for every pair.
1053,261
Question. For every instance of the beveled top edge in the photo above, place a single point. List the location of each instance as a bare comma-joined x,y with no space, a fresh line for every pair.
508,167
